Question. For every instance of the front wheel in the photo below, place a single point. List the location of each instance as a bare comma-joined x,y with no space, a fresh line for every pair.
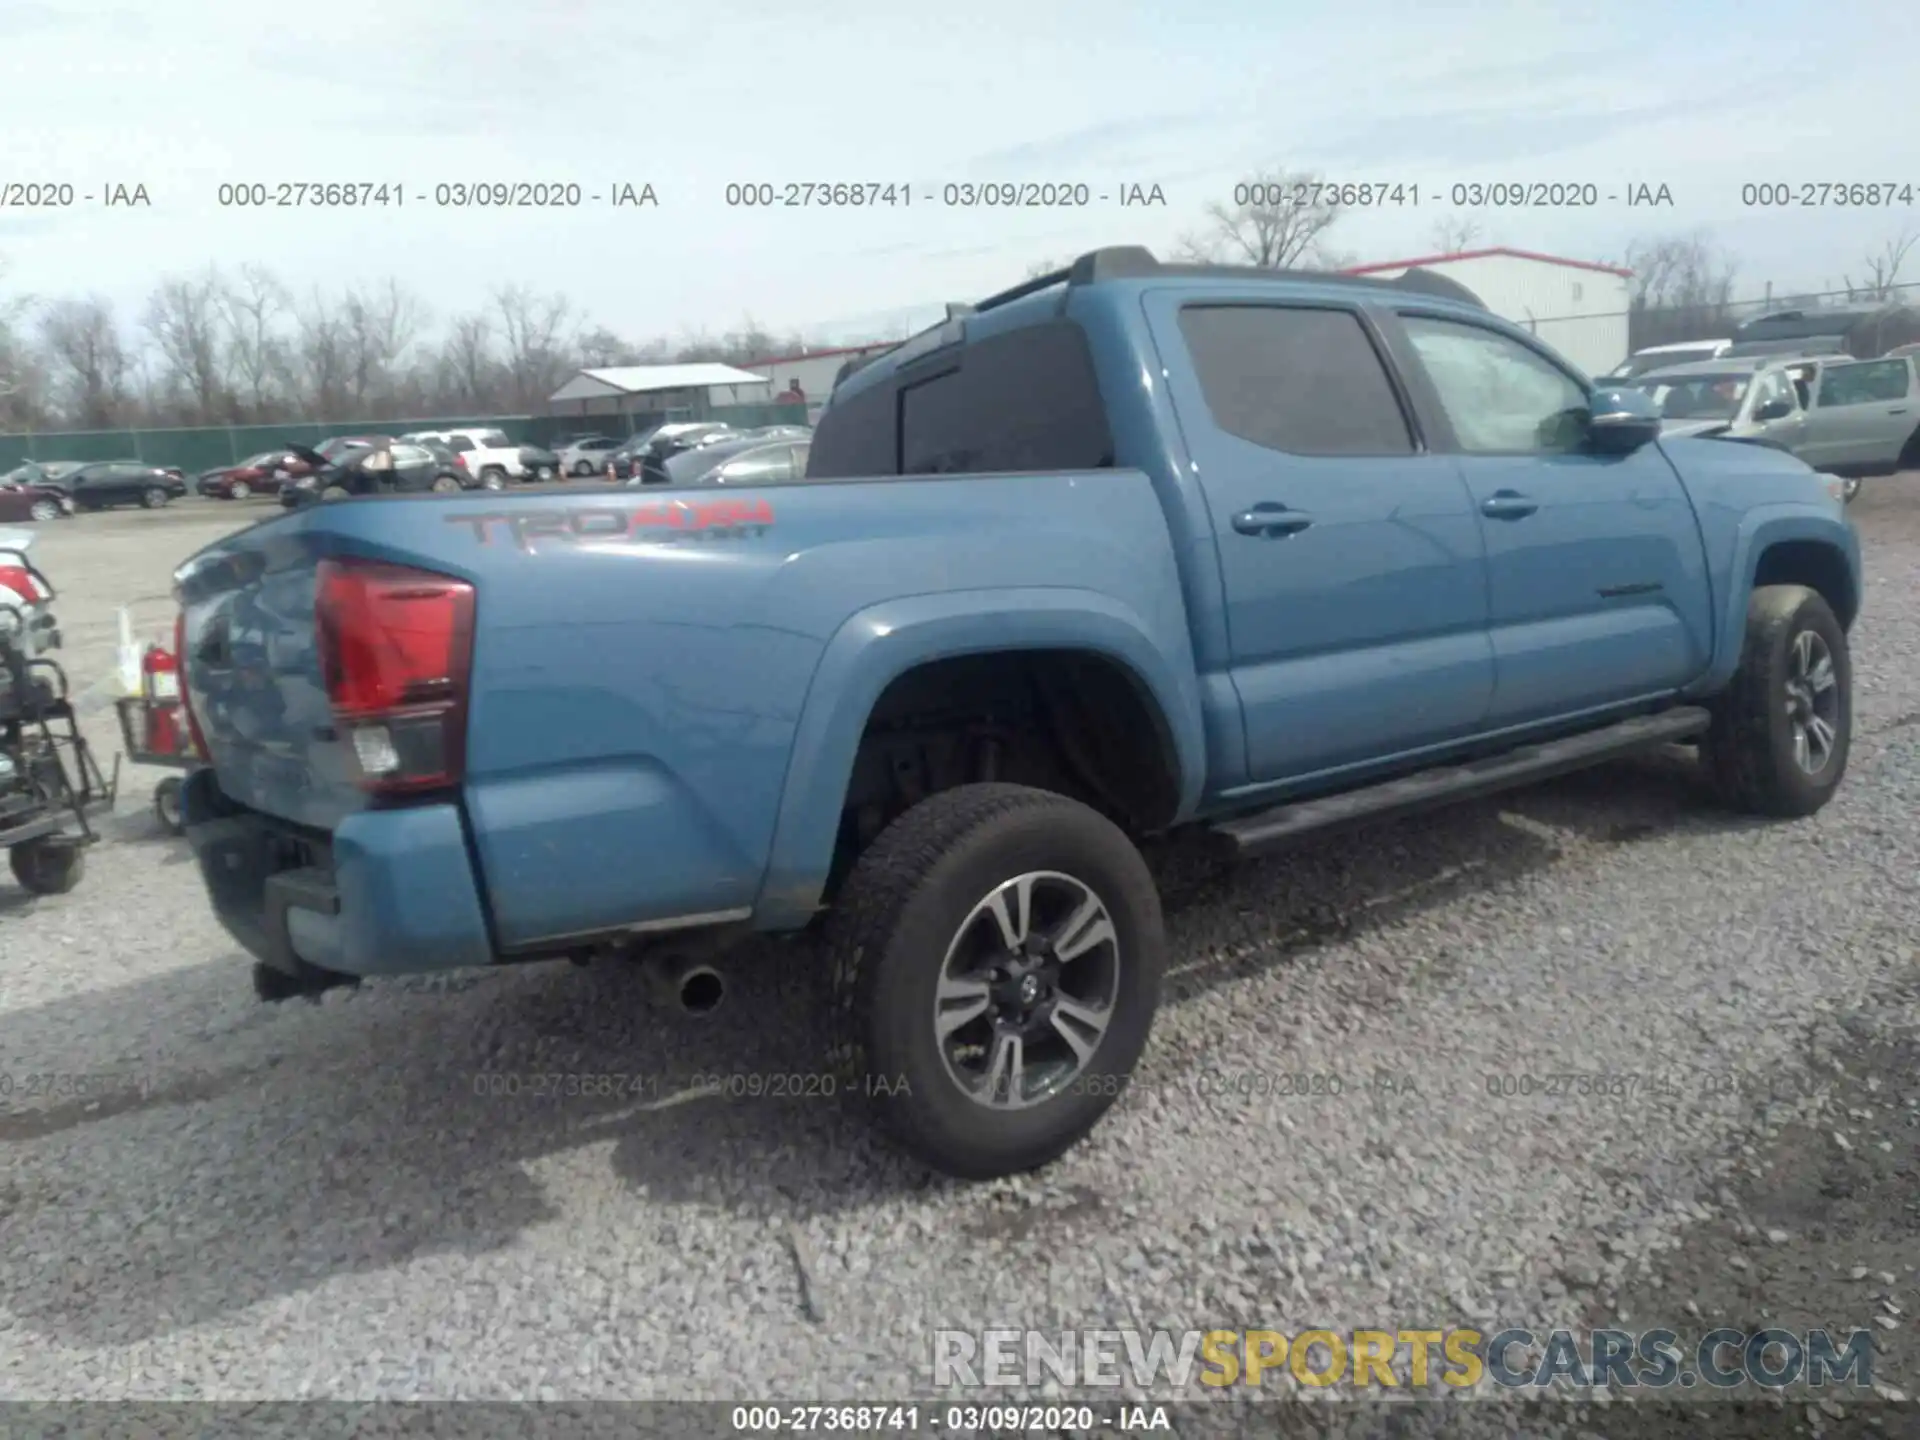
50,865
1782,730
44,509
153,498
997,954
239,490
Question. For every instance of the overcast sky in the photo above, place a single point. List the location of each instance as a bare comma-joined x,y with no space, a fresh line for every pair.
181,95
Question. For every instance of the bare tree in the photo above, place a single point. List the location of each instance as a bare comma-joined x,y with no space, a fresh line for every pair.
379,325
321,359
1281,224
1882,279
468,362
1682,289
90,361
252,307
538,354
183,320
1452,234
23,379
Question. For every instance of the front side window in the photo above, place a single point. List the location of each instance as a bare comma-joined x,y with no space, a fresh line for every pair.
1866,383
1501,397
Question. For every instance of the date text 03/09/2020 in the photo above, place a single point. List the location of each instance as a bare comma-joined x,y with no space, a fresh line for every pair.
750,194
469,194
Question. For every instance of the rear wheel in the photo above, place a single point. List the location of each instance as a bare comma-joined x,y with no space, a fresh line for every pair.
166,805
239,490
153,497
51,865
997,954
1782,730
445,484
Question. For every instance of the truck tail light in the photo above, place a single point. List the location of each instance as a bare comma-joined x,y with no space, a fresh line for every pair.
396,650
198,740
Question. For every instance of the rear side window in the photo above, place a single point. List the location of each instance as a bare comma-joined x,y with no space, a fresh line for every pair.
1307,382
1023,400
459,444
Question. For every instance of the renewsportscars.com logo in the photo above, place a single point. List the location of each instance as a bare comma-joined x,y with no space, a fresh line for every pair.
1415,1359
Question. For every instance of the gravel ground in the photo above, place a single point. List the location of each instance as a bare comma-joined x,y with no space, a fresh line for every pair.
255,1202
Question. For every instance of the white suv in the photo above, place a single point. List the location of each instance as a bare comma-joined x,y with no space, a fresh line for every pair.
488,455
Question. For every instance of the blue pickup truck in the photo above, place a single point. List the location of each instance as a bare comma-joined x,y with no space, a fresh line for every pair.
1129,547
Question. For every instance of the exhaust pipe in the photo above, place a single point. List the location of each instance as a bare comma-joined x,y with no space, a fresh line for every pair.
696,988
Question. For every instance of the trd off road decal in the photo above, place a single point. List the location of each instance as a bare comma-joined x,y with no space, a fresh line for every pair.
664,522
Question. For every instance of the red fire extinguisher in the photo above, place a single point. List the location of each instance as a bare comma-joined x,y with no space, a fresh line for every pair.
160,684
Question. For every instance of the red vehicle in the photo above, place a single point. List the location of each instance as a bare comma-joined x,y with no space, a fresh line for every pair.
260,474
33,502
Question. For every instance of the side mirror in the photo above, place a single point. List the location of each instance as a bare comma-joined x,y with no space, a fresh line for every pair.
1777,409
1620,421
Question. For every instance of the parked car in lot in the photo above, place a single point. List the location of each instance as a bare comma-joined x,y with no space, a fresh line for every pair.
586,454
539,463
649,451
108,483
38,472
487,454
415,468
1661,357
751,460
33,501
1849,418
261,474
1359,551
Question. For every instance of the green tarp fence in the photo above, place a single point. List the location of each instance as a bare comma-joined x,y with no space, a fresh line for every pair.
207,447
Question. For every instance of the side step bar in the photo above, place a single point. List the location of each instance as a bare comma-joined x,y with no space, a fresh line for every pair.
1267,829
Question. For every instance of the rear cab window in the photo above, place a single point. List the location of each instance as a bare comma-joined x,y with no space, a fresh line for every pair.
1298,379
1023,399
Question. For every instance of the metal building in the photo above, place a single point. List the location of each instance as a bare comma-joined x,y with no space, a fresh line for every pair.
1579,307
692,391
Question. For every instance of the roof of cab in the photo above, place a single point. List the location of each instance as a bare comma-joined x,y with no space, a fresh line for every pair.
1044,296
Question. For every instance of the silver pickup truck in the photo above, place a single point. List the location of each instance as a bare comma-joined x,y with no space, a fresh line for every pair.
1847,417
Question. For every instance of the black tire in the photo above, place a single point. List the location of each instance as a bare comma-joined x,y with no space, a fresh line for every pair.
51,865
446,484
166,805
582,467
1751,747
542,474
336,492
907,901
44,509
493,477
152,498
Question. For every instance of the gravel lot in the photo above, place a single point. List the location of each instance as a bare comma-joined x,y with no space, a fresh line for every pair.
323,1200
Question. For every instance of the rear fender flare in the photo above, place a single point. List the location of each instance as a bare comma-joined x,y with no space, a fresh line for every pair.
882,642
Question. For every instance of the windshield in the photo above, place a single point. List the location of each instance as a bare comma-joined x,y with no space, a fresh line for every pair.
1697,397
